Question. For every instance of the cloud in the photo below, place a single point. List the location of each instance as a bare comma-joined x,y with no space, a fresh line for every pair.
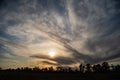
59,60
79,30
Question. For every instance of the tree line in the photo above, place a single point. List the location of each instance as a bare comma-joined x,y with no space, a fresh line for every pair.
88,68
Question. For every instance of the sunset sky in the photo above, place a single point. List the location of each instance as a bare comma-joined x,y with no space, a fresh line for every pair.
59,32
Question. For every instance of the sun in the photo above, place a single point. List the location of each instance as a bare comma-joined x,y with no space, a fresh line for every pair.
52,54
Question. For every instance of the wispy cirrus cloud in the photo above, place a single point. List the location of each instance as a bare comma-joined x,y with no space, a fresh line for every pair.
79,30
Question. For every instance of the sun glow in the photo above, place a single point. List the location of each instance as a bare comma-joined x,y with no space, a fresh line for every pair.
52,54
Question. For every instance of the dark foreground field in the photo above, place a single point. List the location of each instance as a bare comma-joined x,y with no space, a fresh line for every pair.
4,75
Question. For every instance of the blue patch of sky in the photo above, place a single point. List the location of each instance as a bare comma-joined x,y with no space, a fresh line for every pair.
7,36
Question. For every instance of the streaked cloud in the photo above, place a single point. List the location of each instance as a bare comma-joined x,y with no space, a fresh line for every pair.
79,31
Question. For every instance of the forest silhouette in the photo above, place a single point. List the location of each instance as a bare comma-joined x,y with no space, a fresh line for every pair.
92,72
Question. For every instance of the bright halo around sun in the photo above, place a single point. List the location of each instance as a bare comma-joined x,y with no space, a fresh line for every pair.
52,54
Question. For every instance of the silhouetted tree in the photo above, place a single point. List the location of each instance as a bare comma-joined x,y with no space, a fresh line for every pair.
88,68
96,68
44,70
69,69
18,69
76,70
50,69
27,69
105,67
116,68
81,68
36,69
59,69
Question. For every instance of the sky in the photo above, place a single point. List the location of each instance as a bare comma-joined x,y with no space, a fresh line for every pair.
78,31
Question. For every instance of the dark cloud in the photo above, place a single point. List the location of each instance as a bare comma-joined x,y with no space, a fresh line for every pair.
49,63
59,60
